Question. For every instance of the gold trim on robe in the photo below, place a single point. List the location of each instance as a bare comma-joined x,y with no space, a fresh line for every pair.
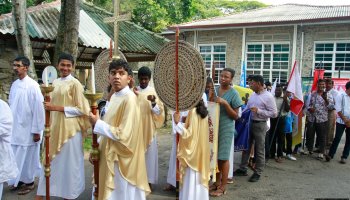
67,93
150,121
193,148
123,116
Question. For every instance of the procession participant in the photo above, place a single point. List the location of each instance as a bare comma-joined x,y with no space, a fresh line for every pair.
193,153
26,103
69,109
152,117
122,167
8,166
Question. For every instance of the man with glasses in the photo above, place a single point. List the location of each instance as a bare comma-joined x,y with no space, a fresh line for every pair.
26,103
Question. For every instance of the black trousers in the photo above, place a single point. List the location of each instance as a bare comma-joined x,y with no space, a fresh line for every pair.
277,137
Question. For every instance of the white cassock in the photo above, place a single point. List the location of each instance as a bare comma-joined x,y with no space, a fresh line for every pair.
8,166
123,189
171,178
67,178
151,155
192,188
26,103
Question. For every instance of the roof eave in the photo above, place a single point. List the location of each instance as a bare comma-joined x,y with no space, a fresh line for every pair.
214,26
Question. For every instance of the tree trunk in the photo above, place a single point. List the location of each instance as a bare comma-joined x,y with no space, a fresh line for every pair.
68,29
22,37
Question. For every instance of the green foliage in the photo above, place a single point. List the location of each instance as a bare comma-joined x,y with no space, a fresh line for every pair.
150,15
156,15
6,5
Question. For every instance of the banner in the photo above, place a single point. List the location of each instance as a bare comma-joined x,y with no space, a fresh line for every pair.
213,119
339,83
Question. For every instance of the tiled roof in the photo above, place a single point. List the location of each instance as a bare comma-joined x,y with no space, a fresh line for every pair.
287,13
93,32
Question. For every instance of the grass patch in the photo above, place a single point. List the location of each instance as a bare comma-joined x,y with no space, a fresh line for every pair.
87,143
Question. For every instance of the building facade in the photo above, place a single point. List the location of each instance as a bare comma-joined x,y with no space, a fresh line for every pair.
268,41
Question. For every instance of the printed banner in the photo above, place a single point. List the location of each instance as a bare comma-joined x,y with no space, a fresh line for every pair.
214,114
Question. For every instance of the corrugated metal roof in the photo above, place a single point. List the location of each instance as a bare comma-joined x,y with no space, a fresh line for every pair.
275,15
132,38
43,20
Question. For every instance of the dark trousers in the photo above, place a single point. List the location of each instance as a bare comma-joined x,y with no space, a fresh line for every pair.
289,140
277,137
339,130
321,130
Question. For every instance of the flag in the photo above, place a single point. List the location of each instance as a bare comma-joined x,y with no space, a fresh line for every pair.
294,86
243,76
242,126
273,88
318,74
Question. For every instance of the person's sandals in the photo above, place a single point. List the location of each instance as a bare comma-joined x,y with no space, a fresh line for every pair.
213,187
279,159
218,192
169,188
26,189
19,186
229,180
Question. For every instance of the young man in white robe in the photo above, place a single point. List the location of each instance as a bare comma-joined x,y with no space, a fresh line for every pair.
68,120
26,103
122,166
152,117
8,166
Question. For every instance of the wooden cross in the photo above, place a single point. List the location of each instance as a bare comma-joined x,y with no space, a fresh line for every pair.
115,19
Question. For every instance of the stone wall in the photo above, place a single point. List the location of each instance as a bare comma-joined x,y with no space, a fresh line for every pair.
8,52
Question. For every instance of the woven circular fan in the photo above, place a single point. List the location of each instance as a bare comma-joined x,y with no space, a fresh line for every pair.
192,76
101,71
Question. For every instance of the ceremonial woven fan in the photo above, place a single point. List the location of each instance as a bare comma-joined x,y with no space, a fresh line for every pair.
191,73
101,70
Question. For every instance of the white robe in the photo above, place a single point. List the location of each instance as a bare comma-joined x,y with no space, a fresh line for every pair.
152,150
26,103
67,178
123,189
152,161
171,178
8,166
192,188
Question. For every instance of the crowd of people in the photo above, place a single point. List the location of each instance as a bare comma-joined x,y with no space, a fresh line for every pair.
127,129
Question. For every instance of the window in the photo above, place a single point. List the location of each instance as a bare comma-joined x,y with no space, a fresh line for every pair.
214,56
334,57
271,60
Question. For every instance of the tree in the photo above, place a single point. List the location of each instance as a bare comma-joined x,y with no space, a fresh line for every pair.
150,15
68,29
6,5
156,15
24,44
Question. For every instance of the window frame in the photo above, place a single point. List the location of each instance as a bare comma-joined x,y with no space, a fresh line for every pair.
271,52
212,53
334,73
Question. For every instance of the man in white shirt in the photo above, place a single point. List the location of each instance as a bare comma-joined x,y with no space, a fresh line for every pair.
26,103
332,115
342,106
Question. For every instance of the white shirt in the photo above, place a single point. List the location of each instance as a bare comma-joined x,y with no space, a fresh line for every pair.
343,105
